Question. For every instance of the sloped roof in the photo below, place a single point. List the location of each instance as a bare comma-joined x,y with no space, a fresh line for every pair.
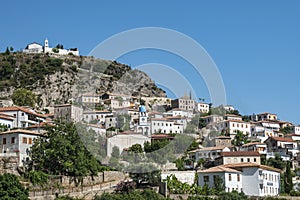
240,153
19,108
281,139
249,164
19,131
219,169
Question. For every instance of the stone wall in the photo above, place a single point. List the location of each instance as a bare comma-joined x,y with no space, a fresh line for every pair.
9,165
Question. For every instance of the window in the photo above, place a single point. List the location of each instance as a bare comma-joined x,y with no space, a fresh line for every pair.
4,141
206,179
254,159
238,177
22,114
248,159
242,159
229,177
24,140
30,141
13,140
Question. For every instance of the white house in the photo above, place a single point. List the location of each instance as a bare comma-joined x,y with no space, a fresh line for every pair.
232,178
238,157
232,126
96,115
208,153
253,179
258,180
261,148
17,143
296,130
203,107
180,112
23,117
90,98
7,120
164,125
213,119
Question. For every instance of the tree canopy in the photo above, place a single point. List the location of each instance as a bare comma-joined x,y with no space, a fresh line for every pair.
11,188
60,151
24,97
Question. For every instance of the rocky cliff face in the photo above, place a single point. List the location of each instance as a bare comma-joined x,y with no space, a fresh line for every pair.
57,79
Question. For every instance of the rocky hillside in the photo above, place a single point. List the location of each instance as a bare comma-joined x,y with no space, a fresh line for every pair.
56,79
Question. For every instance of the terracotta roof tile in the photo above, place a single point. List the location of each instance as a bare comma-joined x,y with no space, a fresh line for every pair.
240,153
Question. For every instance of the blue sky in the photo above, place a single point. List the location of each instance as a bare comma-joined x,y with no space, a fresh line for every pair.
255,44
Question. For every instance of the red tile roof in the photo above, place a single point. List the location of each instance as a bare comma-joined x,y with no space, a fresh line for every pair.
249,164
18,108
281,139
240,153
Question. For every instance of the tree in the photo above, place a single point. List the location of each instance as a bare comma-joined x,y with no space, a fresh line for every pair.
24,97
11,188
60,151
219,184
115,152
276,162
136,148
239,139
144,174
288,182
3,127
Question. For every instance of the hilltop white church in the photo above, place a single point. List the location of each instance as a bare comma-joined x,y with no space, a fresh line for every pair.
38,48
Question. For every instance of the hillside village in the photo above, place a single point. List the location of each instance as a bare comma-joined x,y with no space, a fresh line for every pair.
241,150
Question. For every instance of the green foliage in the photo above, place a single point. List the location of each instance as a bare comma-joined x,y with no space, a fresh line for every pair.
219,184
288,182
146,194
24,97
155,145
38,178
55,50
67,197
136,148
11,188
234,195
180,164
60,151
123,121
144,174
276,162
239,139
3,127
286,130
115,152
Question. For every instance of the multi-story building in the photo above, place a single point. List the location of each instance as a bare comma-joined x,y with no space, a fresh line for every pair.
238,157
17,143
285,147
231,127
89,98
97,116
7,120
208,153
251,178
23,117
264,116
210,119
68,112
165,125
184,103
261,148
203,107
222,141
